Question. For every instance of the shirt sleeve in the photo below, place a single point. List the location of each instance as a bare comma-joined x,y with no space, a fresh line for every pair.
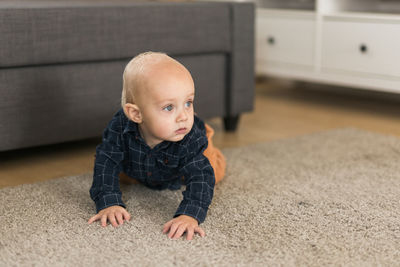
200,180
105,190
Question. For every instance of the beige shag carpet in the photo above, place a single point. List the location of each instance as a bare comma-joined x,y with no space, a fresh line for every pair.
331,198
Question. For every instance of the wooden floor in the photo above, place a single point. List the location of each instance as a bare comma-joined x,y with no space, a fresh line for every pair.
282,110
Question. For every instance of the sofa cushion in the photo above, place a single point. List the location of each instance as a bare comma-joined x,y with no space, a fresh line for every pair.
45,32
46,104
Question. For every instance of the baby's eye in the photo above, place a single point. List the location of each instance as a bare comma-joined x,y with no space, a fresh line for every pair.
188,104
168,108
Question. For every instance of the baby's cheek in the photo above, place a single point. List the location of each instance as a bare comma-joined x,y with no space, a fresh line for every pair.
191,122
165,128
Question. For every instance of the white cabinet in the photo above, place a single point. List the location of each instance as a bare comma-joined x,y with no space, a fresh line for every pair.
352,43
285,39
350,46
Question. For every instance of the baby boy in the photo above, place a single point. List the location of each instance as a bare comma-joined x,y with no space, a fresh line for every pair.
157,140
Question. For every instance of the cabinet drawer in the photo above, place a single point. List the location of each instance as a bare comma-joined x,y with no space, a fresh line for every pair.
363,47
285,40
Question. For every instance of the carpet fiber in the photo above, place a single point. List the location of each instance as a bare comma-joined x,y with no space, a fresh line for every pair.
329,198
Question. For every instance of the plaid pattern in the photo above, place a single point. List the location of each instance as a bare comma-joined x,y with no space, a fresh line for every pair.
164,166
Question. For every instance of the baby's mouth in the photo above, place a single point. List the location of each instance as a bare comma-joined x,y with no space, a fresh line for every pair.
181,130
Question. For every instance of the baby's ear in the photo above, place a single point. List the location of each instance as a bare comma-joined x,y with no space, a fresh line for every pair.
132,111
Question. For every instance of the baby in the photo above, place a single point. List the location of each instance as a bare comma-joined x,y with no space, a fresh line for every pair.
157,140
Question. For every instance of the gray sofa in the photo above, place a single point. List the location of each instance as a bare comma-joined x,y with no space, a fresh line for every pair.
61,63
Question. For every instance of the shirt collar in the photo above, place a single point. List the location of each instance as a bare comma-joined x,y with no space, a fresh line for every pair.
133,129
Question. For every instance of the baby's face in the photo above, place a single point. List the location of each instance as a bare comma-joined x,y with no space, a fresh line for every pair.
166,104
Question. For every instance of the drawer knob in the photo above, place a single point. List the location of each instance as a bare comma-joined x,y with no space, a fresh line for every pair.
271,40
363,48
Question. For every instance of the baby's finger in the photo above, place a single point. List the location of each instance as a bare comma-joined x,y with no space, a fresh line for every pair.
172,230
93,219
189,233
119,218
179,232
104,220
167,226
127,216
111,219
200,231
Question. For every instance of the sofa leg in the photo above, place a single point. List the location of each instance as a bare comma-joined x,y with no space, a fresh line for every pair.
231,123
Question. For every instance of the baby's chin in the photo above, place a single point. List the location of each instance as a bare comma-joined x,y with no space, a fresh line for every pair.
178,136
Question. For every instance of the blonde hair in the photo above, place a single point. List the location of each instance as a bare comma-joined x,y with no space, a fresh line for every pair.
135,69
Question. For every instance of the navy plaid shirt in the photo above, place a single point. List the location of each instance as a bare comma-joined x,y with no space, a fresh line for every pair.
164,166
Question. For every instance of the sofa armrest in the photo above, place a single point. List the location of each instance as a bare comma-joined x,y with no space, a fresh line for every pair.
241,60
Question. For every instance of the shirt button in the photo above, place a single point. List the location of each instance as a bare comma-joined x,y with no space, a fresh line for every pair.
148,173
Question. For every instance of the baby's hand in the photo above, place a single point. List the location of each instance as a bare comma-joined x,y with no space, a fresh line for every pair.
114,214
182,224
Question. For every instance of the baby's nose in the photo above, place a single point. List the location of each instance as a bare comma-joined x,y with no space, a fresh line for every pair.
182,115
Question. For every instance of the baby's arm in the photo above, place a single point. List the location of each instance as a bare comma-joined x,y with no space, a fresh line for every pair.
181,224
114,214
200,181
105,190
